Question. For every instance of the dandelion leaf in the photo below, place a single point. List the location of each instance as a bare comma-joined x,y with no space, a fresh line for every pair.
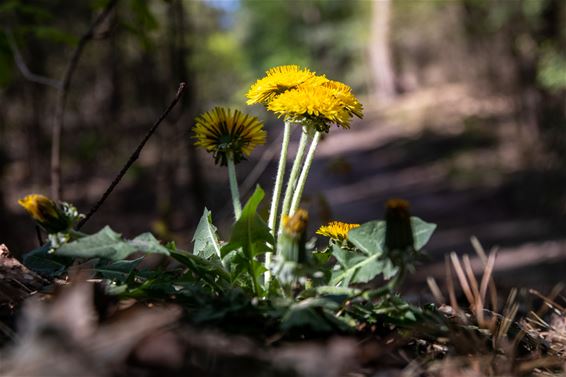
111,245
205,239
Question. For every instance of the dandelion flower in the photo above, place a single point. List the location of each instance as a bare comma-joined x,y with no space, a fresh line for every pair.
228,133
46,213
309,104
344,93
278,80
336,230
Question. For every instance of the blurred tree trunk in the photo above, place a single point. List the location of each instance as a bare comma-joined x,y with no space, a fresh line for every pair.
179,50
380,51
115,63
35,98
3,163
189,102
537,104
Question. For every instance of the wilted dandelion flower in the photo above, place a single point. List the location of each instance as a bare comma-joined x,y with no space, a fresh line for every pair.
311,105
278,80
228,133
46,213
336,230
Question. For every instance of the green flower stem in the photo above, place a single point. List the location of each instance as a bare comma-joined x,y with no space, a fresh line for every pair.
234,187
279,178
304,173
291,184
272,222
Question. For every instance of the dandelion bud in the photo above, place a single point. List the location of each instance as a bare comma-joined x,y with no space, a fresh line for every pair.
398,230
296,224
292,240
48,214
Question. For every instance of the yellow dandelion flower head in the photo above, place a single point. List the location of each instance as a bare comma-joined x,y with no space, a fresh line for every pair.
278,80
45,212
39,207
336,230
344,93
227,132
297,223
315,105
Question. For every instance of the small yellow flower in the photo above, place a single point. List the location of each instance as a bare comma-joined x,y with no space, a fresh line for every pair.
312,104
278,80
336,230
45,212
224,132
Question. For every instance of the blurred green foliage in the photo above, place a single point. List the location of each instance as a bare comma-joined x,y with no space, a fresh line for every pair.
552,69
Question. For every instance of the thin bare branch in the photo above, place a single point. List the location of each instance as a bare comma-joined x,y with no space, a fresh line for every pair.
23,68
134,156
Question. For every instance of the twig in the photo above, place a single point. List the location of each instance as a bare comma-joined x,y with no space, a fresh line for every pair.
62,100
23,68
134,156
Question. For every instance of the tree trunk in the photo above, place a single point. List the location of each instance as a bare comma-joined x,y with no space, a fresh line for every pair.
380,51
184,73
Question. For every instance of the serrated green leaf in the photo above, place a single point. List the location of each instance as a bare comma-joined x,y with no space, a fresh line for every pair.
41,261
147,243
355,267
422,231
209,271
250,231
316,313
118,270
388,268
205,239
105,244
111,245
369,237
252,235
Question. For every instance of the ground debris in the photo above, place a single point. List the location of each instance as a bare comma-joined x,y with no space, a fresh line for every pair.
17,282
